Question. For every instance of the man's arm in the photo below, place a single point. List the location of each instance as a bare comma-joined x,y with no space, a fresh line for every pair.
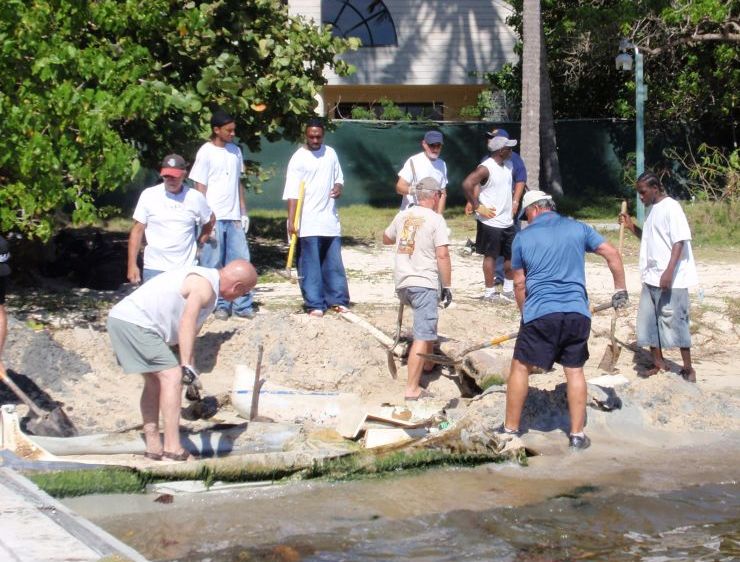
626,220
336,191
444,265
387,240
520,288
614,261
198,293
201,187
242,200
666,279
134,245
292,206
3,332
205,232
473,181
402,186
517,197
442,202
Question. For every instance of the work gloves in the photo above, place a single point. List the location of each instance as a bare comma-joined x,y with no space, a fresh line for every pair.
485,212
446,297
192,383
245,223
620,299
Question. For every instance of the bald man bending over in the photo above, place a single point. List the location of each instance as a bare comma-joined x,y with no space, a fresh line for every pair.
169,310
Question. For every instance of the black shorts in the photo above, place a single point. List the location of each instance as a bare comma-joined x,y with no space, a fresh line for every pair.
561,337
493,242
2,290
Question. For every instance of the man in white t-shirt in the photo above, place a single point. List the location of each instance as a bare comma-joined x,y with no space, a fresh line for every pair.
492,203
667,270
425,164
171,216
316,166
422,261
165,312
217,173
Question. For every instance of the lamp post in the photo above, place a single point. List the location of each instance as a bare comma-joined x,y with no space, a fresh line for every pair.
624,62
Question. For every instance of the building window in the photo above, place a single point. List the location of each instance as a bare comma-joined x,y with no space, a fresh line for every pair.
368,20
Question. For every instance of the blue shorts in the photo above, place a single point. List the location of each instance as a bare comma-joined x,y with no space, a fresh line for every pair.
424,303
663,318
560,337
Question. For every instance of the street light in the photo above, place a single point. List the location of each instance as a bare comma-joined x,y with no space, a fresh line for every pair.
624,62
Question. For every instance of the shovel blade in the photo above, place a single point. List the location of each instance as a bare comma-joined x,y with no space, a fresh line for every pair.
52,424
440,359
610,357
392,369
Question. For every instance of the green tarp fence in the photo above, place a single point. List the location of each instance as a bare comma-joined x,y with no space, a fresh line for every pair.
592,156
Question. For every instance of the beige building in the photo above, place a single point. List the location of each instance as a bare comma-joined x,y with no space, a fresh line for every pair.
427,56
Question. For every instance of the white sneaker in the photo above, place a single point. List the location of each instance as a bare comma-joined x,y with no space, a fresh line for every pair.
507,297
493,297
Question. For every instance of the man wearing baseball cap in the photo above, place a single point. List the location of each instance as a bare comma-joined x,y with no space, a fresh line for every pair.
425,164
4,272
550,286
422,265
170,214
488,190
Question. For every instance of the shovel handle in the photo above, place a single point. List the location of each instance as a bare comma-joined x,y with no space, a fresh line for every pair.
20,394
621,229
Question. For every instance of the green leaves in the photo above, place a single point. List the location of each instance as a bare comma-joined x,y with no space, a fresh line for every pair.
92,91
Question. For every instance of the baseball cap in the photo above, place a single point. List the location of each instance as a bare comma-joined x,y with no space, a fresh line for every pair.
532,197
433,137
173,165
429,184
499,142
497,133
4,257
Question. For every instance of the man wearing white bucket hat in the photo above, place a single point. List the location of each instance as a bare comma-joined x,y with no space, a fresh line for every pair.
550,286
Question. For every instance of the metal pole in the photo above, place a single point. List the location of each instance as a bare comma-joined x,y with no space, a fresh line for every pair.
640,95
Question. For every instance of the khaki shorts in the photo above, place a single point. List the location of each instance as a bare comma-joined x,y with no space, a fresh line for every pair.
139,350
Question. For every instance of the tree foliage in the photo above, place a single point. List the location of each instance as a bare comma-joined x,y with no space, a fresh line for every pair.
692,62
91,90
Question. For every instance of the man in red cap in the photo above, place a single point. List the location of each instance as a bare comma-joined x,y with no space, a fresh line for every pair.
170,214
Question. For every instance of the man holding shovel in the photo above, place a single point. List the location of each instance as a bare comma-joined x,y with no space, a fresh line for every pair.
166,311
315,166
422,261
667,270
550,288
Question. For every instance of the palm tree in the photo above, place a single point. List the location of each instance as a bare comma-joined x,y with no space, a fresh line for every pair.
531,91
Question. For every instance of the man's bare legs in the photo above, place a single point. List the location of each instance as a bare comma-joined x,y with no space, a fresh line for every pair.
577,393
517,386
170,401
149,406
688,371
658,362
489,271
415,365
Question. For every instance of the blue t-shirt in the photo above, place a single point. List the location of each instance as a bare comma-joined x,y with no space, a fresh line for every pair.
551,253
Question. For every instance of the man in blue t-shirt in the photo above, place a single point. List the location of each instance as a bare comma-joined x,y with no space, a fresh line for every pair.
550,288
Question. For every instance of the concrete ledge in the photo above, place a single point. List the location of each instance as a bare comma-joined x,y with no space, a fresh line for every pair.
36,527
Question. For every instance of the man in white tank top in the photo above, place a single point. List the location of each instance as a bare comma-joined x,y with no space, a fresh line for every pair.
166,311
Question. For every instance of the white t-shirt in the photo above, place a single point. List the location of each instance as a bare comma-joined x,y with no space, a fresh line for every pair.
220,170
172,221
158,304
418,232
424,168
496,193
665,225
319,170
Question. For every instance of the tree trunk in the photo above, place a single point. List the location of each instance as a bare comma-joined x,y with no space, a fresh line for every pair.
531,76
551,180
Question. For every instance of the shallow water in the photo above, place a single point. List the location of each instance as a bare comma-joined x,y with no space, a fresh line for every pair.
443,515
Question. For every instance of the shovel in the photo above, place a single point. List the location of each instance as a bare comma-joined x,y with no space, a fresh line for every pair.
288,273
391,358
611,353
457,360
49,424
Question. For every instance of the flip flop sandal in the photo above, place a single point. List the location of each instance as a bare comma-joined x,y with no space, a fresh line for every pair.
153,456
183,455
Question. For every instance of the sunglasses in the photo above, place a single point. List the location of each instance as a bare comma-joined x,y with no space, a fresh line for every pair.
435,145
